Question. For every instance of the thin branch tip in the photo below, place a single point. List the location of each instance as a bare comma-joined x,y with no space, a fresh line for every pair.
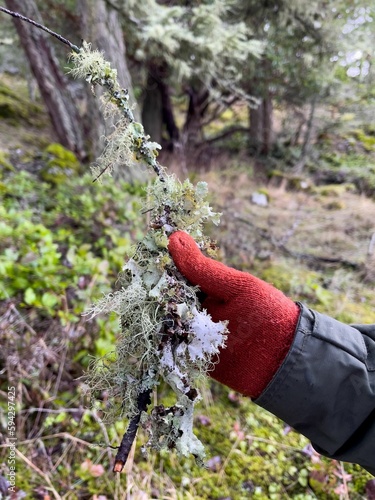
20,17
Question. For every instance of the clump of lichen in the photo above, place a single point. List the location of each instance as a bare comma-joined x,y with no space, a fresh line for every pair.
164,332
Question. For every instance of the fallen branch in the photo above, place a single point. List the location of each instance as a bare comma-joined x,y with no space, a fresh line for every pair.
300,255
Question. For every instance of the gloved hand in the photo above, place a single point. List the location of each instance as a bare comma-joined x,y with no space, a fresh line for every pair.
262,320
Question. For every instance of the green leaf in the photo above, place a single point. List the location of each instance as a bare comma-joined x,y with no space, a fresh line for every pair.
49,300
29,296
103,346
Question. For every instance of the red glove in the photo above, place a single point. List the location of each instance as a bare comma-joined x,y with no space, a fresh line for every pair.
262,320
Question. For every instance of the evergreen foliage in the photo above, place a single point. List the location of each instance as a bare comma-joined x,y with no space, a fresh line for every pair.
201,43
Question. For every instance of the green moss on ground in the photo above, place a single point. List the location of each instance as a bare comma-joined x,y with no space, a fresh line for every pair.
59,164
366,140
15,108
5,163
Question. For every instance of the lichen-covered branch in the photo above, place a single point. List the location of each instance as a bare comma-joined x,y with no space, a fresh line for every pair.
164,332
128,142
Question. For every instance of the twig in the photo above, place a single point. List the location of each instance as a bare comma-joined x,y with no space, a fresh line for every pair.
51,436
61,370
226,461
42,27
103,428
344,481
317,258
62,456
48,410
13,308
102,172
144,399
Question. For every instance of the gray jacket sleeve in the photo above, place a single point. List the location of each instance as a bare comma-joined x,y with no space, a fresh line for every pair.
325,388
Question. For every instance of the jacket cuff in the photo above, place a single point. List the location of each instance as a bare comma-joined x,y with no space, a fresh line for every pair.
325,388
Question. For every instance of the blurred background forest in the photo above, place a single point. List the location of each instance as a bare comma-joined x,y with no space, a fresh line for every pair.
272,102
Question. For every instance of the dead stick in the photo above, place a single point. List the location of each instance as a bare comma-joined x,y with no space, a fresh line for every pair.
144,399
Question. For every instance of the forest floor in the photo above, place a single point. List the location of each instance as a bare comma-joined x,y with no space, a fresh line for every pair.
322,236
62,242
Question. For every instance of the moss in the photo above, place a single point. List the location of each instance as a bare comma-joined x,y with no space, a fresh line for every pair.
367,141
248,454
278,277
60,163
292,181
335,190
15,108
264,191
356,312
335,205
35,140
5,163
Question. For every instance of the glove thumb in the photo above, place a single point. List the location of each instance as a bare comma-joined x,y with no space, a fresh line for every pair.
213,278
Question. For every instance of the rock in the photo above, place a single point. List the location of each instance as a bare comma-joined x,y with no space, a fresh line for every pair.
259,199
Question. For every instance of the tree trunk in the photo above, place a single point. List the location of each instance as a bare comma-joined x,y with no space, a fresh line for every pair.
300,165
261,137
100,26
152,109
193,128
268,135
168,115
157,109
256,127
52,83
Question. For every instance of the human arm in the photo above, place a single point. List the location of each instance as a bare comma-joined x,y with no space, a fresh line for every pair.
312,371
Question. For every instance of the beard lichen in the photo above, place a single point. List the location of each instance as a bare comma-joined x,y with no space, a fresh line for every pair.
165,334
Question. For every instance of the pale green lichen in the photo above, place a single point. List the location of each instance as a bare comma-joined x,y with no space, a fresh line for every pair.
129,142
90,65
164,334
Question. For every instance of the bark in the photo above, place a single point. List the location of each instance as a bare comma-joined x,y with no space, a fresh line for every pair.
168,115
261,136
100,25
52,83
152,109
193,128
300,165
256,127
268,135
157,110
